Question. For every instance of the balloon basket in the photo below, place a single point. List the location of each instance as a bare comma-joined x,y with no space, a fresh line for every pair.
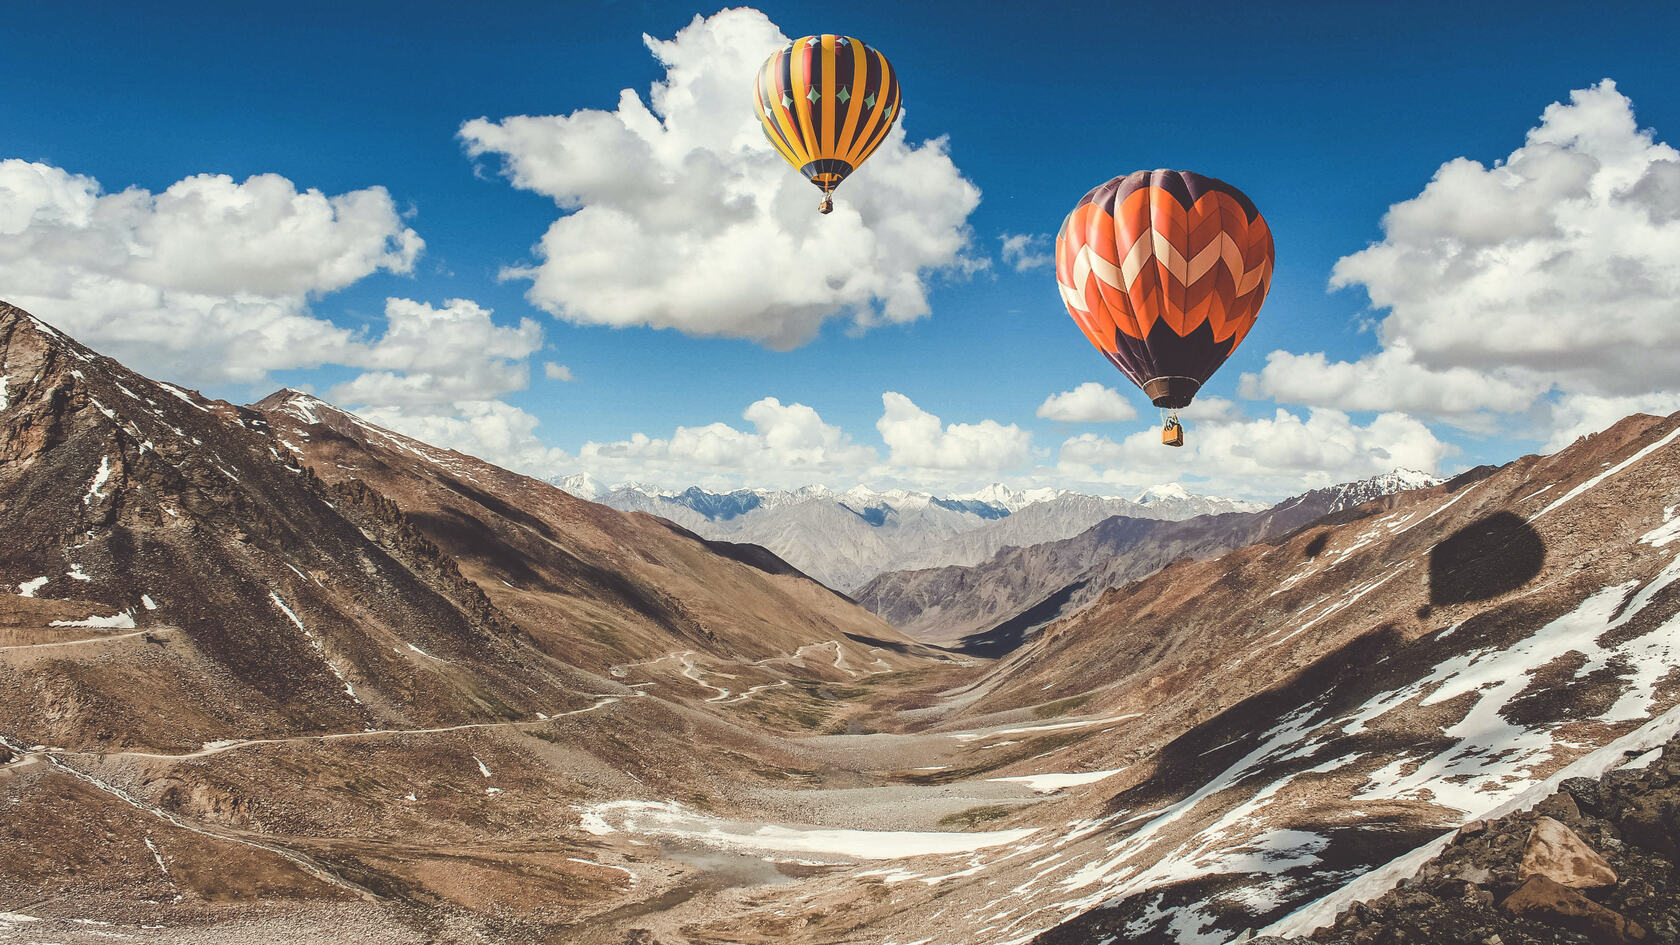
1172,432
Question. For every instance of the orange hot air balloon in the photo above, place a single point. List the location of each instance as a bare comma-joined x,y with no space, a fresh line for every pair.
1164,272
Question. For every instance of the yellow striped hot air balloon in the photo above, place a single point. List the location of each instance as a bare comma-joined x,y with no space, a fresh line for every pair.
826,103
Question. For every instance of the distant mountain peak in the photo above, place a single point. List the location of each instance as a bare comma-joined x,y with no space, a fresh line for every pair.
1350,494
305,407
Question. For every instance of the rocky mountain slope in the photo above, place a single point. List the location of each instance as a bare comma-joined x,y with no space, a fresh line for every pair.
276,655
1291,716
989,608
257,685
1595,861
845,538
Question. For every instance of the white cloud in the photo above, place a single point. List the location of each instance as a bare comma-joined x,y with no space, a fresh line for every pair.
1576,415
916,440
789,445
682,216
441,372
1027,252
210,281
1260,458
1090,402
206,282
435,356
557,372
1546,285
492,430
1392,379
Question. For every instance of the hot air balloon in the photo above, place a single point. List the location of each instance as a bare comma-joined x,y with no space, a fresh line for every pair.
826,103
1164,272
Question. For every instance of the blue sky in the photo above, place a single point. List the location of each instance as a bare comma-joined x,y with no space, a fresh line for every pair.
1324,114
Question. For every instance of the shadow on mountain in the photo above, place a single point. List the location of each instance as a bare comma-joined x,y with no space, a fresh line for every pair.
503,509
1316,546
464,535
753,556
1489,557
930,650
1010,634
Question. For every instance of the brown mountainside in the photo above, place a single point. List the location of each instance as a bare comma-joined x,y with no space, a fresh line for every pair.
304,686
276,674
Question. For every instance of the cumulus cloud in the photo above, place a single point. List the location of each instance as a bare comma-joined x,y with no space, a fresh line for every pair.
210,282
438,374
1576,415
1027,252
1540,285
206,282
435,356
492,430
557,372
1392,379
789,445
1257,458
917,440
680,215
1090,402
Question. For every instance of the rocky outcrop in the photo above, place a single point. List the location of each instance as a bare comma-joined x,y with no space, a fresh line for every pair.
1558,854
1594,862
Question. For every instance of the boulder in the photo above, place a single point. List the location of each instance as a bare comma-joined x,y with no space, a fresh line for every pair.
1559,854
1543,900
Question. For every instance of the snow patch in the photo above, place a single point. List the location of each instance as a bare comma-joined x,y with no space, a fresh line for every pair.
289,614
1051,783
605,866
481,768
99,480
121,621
178,392
671,819
156,855
28,588
77,573
320,648
1668,531
1034,729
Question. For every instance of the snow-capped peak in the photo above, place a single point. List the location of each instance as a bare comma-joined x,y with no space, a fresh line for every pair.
1165,492
582,485
1350,494
1002,496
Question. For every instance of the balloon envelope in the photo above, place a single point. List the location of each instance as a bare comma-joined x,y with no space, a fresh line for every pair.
826,103
1164,272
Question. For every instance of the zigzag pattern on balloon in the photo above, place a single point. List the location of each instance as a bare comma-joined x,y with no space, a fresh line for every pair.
1153,257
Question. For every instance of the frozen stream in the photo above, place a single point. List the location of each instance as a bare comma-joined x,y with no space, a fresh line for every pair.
672,821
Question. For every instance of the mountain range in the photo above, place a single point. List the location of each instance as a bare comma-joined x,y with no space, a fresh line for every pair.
273,673
844,538
988,608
